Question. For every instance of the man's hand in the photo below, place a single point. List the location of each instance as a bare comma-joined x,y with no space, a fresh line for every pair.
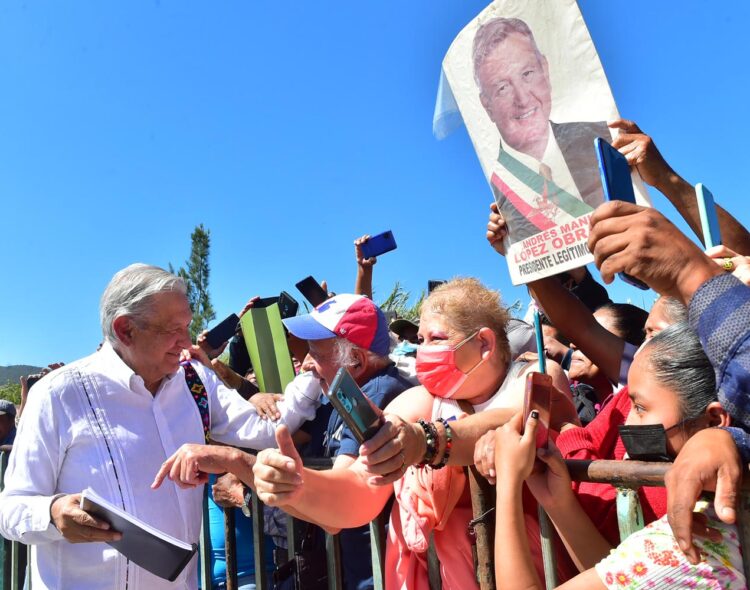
250,303
278,472
641,153
195,353
497,229
740,265
228,491
212,353
640,241
709,460
392,449
231,379
361,260
77,526
190,465
265,405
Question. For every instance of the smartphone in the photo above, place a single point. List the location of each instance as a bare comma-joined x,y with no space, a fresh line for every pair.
709,217
379,244
538,397
223,331
265,302
618,186
288,305
362,416
433,284
312,291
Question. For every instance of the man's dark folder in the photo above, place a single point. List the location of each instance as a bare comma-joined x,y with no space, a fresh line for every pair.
150,548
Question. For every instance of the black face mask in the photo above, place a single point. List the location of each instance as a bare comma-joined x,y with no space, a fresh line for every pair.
645,442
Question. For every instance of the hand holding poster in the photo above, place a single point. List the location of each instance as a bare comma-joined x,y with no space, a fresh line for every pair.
531,90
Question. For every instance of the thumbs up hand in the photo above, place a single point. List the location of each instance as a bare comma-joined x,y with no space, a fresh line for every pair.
278,472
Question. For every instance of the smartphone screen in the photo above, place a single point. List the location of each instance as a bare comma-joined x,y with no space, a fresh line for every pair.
538,397
223,331
312,291
379,244
288,305
709,216
618,186
265,302
356,410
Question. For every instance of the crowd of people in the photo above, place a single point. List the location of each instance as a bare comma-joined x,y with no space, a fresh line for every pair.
151,417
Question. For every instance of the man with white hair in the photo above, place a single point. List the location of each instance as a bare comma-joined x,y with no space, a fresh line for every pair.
107,422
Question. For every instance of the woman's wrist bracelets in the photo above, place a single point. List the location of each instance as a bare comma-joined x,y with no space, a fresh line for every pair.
448,444
431,439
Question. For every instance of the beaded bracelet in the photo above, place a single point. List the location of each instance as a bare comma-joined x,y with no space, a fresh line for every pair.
448,444
431,438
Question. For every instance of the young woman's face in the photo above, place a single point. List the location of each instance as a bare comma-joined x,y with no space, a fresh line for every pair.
653,403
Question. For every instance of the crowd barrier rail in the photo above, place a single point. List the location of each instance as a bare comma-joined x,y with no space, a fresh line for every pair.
625,476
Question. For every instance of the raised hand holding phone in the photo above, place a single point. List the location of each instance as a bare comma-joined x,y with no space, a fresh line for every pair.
618,186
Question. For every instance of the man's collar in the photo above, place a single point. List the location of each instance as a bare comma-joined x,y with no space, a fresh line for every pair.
526,159
119,372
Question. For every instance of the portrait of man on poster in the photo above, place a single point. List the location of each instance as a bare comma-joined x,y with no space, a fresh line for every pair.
553,164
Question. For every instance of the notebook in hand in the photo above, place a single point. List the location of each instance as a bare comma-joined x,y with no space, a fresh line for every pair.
146,546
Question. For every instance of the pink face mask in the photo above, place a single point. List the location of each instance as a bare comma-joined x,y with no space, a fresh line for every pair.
437,370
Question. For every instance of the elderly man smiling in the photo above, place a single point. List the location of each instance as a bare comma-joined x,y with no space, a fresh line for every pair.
554,162
107,422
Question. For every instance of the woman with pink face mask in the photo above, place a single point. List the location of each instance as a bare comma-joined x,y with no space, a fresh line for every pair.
469,385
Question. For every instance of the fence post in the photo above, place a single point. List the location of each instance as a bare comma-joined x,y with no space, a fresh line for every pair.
259,545
230,548
205,545
377,549
333,558
629,512
482,503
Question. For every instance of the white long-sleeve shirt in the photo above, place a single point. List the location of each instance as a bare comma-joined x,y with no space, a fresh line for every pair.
94,424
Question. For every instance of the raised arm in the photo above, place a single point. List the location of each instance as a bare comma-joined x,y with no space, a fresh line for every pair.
575,320
641,152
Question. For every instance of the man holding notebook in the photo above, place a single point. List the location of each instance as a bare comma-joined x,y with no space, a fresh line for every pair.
106,423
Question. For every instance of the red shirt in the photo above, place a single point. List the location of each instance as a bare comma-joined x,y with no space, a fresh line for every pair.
600,439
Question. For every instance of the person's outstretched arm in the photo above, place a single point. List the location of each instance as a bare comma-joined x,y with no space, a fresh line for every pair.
641,152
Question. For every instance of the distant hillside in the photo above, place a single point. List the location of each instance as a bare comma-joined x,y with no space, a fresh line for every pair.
12,373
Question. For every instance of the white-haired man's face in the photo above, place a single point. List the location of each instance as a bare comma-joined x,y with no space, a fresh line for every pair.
516,93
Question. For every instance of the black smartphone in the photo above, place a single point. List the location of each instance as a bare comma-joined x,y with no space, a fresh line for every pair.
223,331
379,244
265,302
288,305
432,285
357,411
312,291
618,186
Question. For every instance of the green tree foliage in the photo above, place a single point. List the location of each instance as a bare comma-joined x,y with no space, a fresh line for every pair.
398,302
11,391
196,274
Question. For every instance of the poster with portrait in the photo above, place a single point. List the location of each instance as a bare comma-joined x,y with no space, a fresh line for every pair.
525,79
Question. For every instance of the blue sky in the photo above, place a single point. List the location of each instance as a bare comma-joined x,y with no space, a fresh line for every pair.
289,129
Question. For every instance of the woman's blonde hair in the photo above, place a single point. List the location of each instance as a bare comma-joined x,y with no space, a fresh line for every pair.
468,306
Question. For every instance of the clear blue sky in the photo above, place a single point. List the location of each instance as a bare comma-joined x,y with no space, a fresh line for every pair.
289,129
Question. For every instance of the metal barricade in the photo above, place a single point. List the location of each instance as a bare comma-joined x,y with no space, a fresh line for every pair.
333,548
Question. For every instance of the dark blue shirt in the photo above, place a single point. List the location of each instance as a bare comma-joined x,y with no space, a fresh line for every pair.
356,559
8,440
